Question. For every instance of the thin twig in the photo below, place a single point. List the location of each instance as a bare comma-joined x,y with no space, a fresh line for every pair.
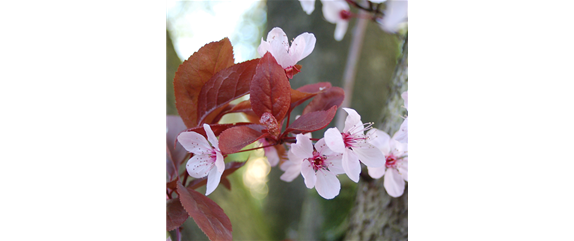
351,66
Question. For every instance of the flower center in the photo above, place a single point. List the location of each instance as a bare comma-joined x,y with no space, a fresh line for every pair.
345,15
317,161
391,161
349,140
213,155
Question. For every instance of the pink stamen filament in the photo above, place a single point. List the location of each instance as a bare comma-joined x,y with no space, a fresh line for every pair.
355,135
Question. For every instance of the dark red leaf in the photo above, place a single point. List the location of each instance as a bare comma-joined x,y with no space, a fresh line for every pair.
306,92
208,216
176,215
312,121
216,128
270,89
324,101
225,86
230,168
241,107
194,72
225,182
234,139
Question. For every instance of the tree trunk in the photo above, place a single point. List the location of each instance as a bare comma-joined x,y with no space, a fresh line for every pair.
376,215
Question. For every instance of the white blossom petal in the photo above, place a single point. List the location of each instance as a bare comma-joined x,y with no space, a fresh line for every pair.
335,163
302,46
403,167
405,96
328,186
395,14
341,29
303,148
403,134
219,162
280,55
353,121
377,172
263,48
308,6
211,136
199,165
322,148
194,142
308,174
370,155
377,1
277,35
292,168
351,165
394,183
212,181
272,156
334,140
379,139
332,9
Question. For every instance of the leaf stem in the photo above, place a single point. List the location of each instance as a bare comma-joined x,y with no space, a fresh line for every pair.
255,148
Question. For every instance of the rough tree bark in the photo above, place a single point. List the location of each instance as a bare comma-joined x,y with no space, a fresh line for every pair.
376,215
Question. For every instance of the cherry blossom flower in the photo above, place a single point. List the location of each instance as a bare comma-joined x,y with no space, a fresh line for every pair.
354,145
308,6
402,135
395,169
318,166
205,157
395,14
337,12
278,45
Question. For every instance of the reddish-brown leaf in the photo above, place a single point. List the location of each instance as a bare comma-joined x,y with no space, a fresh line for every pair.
241,107
208,216
230,168
194,72
234,139
312,121
225,86
225,182
176,215
216,128
324,101
306,92
270,89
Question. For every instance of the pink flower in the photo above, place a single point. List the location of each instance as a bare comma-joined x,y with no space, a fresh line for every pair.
308,6
278,45
354,145
318,166
395,169
395,14
205,157
337,12
402,135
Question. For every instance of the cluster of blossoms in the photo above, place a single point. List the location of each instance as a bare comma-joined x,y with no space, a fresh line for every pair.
338,152
338,12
